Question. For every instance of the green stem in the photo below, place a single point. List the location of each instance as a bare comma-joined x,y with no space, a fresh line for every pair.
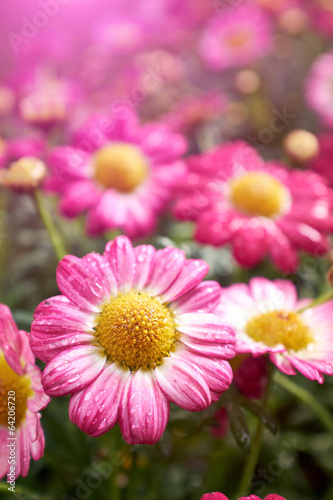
53,233
319,300
255,447
307,398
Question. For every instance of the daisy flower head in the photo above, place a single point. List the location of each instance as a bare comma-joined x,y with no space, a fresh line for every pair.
122,174
261,209
237,38
21,397
268,319
319,88
133,330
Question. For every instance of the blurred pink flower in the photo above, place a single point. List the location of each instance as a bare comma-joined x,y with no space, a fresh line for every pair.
192,112
318,88
260,209
236,38
139,322
123,174
21,379
321,16
266,319
323,162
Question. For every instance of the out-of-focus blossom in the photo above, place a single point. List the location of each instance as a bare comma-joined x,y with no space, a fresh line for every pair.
47,101
321,16
319,85
24,175
124,175
18,147
236,38
261,209
266,319
323,162
138,322
21,379
250,376
192,112
7,100
3,152
301,145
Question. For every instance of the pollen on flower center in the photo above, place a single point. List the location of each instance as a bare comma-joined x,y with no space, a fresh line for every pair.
258,193
11,381
120,166
136,330
279,327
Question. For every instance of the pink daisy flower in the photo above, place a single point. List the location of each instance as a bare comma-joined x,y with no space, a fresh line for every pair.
139,322
266,317
220,496
124,175
319,85
21,396
236,39
260,209
323,162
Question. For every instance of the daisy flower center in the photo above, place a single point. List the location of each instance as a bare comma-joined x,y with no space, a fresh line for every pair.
258,193
136,330
11,381
120,166
279,327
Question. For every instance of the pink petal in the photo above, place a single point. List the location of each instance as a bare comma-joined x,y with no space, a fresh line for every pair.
183,384
101,267
144,255
94,409
282,253
204,297
78,197
37,447
193,271
77,281
166,266
205,328
120,255
267,295
143,411
72,370
217,373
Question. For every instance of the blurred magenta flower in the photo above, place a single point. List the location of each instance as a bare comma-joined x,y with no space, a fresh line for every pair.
133,331
236,38
123,174
266,320
322,163
20,378
261,209
321,16
318,88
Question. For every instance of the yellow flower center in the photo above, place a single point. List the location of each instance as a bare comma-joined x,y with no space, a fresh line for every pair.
11,381
258,193
136,330
120,166
279,327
